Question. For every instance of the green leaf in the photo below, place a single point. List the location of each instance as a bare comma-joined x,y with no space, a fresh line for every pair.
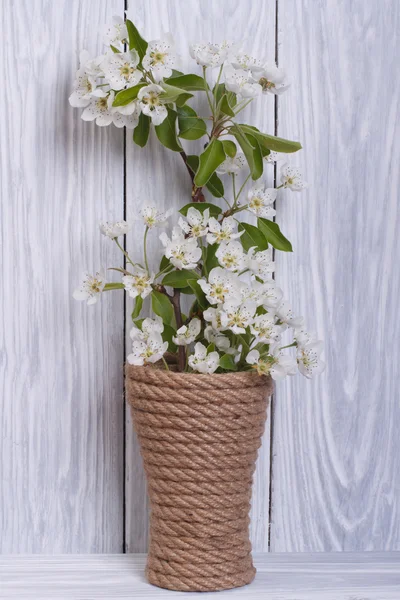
230,148
167,335
142,130
113,286
211,348
114,49
252,236
179,279
164,263
271,142
137,308
224,106
209,161
175,73
219,92
166,132
172,93
126,96
198,292
274,235
183,98
191,127
251,150
162,306
187,82
201,206
227,362
135,39
211,259
214,184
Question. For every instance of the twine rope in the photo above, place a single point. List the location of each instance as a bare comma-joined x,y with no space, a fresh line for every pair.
199,437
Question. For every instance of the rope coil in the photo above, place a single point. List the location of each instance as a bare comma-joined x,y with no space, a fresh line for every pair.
199,437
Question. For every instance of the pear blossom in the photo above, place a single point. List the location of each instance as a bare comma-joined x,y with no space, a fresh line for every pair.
274,157
272,295
91,287
260,263
186,334
116,33
183,253
231,256
147,351
303,337
273,80
160,58
139,283
151,103
114,230
126,116
213,316
202,362
291,178
276,364
247,63
309,359
210,55
120,69
149,327
251,289
241,82
286,316
85,86
220,286
221,341
196,223
222,232
232,165
152,217
260,200
237,317
265,328
100,110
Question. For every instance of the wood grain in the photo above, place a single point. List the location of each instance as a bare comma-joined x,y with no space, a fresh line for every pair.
337,576
61,412
157,176
336,451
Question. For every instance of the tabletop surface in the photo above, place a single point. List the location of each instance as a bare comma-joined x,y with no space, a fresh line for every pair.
336,576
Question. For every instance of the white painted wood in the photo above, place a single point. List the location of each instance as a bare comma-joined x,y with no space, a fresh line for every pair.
336,452
61,411
340,576
158,176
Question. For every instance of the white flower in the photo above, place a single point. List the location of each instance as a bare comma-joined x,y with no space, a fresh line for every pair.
247,63
260,263
187,334
149,327
139,283
160,58
213,316
196,223
153,218
308,359
277,364
241,82
219,339
232,166
120,69
265,328
220,286
273,80
147,351
126,116
272,295
85,86
231,256
286,316
116,34
274,157
210,55
91,287
237,317
222,232
303,337
113,230
251,289
100,109
183,253
151,103
203,362
292,178
260,200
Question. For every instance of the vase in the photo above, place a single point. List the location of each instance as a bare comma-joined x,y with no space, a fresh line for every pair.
199,437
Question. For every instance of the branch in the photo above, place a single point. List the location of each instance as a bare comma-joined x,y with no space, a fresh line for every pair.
197,194
176,302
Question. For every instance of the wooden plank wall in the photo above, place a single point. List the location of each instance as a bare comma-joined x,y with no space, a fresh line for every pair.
68,454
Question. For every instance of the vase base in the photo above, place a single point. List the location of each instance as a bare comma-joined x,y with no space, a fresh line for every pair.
200,582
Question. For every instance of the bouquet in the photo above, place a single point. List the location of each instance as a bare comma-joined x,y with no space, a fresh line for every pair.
237,318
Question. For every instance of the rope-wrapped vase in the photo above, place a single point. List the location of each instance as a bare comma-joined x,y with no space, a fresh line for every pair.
199,437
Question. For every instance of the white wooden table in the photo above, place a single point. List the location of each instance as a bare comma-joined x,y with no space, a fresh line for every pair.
337,576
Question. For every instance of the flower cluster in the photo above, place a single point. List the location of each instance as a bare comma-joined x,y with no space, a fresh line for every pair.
238,319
